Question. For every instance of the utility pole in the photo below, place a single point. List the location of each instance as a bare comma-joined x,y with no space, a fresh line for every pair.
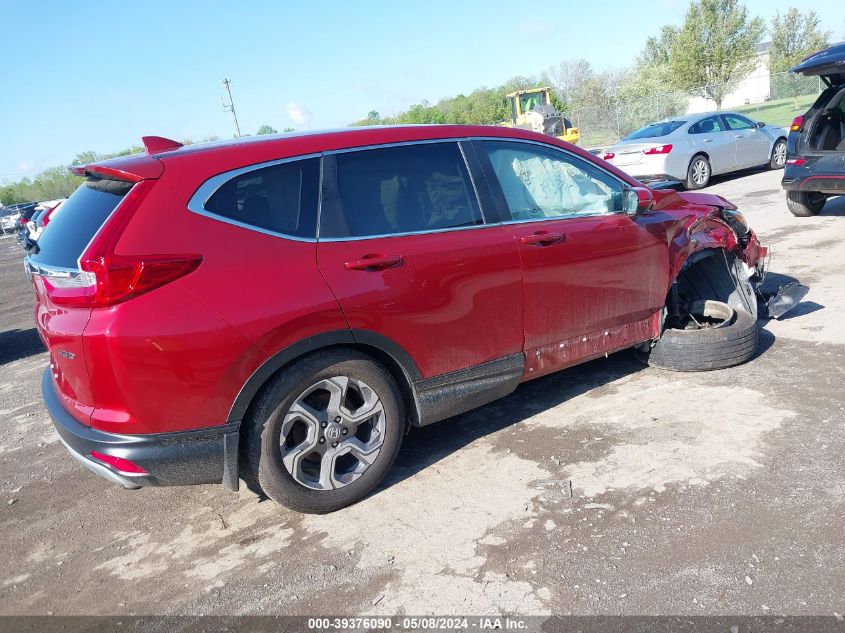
230,107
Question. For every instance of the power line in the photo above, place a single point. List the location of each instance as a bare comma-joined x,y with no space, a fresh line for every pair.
230,107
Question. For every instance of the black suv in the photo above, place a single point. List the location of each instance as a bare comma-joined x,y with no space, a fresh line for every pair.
815,162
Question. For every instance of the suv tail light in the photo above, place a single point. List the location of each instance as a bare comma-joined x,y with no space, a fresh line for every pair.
46,219
797,122
660,149
106,278
608,155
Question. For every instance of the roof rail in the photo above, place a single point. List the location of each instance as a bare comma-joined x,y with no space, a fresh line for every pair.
156,144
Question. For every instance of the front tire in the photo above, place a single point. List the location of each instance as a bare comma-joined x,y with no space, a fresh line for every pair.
698,173
325,431
731,343
778,158
805,204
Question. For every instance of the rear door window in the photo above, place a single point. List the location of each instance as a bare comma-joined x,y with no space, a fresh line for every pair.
64,239
280,198
394,190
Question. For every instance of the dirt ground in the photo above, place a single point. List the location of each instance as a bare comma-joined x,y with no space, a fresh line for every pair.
712,493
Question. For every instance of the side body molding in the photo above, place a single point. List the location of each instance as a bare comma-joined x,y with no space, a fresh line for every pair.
432,399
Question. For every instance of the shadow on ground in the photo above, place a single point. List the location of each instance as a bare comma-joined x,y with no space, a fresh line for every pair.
17,344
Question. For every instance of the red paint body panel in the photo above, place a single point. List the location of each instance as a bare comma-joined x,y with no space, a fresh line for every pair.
605,271
176,357
61,330
454,301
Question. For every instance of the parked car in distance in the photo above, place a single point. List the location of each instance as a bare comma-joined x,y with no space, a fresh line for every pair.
35,226
815,163
694,147
9,220
316,295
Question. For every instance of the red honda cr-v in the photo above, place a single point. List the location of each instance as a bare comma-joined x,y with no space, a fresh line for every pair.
294,304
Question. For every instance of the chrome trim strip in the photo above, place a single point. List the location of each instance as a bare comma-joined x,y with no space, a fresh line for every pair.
45,270
358,238
197,202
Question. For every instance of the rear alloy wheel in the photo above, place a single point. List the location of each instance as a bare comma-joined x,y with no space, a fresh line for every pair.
711,336
325,431
805,204
778,159
698,173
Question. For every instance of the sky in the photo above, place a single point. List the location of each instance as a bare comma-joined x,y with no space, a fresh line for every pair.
98,76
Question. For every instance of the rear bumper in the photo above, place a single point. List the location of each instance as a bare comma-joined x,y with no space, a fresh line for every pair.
832,184
204,456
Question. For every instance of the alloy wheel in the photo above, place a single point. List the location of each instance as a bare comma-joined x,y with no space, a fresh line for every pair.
700,172
332,433
780,154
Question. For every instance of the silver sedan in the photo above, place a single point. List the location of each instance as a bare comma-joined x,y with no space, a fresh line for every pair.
692,148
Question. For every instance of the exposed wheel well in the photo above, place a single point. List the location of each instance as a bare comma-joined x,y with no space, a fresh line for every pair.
713,274
380,356
699,154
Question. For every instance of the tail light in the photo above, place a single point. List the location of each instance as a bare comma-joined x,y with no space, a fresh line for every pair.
797,123
106,278
46,219
795,161
660,149
608,155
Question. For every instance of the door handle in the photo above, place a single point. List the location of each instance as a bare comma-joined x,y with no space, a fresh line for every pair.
542,238
372,263
707,140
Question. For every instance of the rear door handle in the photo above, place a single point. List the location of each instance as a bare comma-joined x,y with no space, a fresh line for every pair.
372,263
707,140
541,238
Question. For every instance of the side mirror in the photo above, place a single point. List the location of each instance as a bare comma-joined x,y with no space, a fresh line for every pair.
638,200
761,124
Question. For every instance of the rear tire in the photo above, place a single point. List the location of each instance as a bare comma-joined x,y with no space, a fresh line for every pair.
778,158
805,204
704,349
698,172
297,431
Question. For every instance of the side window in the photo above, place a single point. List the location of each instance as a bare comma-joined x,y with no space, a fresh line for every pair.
280,198
707,126
540,182
737,122
404,189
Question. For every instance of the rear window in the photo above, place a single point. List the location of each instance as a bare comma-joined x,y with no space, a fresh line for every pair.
71,228
406,189
654,130
280,198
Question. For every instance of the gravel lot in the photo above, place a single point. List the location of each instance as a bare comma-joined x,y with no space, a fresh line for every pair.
715,493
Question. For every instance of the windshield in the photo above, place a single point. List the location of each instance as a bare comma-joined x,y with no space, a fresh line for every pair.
654,130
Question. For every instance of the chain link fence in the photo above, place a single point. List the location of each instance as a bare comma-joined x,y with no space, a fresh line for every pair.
774,98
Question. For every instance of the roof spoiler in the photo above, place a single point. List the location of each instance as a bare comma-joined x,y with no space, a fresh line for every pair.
157,144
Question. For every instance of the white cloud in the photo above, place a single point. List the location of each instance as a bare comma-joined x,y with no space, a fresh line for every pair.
299,114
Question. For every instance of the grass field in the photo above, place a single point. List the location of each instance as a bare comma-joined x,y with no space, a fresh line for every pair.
778,112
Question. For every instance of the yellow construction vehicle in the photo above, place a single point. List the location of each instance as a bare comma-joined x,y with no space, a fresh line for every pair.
533,110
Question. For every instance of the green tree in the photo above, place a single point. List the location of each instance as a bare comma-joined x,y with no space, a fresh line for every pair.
267,129
658,50
794,36
715,48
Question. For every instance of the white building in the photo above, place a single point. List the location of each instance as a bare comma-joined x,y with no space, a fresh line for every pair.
756,88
